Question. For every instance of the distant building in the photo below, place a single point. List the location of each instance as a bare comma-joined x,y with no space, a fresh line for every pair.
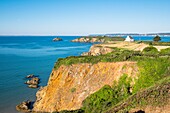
129,39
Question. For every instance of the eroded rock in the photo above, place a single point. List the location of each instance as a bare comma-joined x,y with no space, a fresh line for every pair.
25,106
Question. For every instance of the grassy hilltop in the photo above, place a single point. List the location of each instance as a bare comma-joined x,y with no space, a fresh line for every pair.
150,89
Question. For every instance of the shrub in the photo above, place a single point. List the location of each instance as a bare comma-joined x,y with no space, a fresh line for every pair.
157,38
151,70
165,51
151,51
107,96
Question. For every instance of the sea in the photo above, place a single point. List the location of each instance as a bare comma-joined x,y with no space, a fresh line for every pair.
24,55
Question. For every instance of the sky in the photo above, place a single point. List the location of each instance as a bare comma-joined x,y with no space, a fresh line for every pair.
83,17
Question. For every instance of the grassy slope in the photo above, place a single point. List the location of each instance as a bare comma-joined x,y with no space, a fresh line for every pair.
154,69
155,95
106,38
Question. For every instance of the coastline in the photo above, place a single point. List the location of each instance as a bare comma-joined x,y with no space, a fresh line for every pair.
42,92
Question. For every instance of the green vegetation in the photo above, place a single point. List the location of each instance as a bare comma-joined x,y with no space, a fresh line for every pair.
105,38
151,70
155,95
115,56
148,89
73,90
150,51
156,43
165,51
157,38
107,96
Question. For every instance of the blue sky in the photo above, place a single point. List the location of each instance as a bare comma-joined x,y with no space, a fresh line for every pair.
83,17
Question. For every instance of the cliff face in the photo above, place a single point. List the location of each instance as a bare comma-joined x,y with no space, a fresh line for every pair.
97,50
68,86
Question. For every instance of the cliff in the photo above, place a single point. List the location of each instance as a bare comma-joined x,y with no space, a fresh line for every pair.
100,49
101,39
69,85
97,50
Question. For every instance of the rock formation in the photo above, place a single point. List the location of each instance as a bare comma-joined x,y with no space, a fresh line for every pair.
97,50
57,39
86,39
68,86
33,82
25,106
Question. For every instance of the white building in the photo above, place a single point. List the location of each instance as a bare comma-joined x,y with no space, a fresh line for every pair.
129,39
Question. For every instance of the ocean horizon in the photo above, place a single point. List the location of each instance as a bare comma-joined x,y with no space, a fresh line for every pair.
24,55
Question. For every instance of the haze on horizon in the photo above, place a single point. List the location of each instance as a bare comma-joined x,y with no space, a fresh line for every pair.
83,17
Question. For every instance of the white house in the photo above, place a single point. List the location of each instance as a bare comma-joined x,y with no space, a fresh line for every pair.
129,39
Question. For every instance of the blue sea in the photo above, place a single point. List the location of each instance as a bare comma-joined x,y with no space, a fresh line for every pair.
23,55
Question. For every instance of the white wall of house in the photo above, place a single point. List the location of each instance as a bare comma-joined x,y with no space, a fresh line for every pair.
129,39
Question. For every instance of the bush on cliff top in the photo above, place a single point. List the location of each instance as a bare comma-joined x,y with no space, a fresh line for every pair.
116,55
106,38
107,96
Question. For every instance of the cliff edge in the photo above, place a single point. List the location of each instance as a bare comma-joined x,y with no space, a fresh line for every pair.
69,85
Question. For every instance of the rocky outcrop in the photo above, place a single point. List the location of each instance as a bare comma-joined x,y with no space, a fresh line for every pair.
33,82
68,86
96,50
30,76
25,106
57,39
101,39
87,39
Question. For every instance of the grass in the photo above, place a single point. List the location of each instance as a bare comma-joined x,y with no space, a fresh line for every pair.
157,43
155,95
153,78
105,38
115,56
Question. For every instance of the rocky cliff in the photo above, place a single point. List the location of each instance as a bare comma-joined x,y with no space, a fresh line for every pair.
68,86
97,50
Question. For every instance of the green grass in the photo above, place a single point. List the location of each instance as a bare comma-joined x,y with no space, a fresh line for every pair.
107,96
151,70
155,95
105,38
157,43
154,72
115,56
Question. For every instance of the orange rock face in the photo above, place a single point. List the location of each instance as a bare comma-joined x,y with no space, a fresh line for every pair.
68,86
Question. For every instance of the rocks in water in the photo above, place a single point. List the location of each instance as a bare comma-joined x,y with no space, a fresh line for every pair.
57,39
25,106
33,86
33,81
30,76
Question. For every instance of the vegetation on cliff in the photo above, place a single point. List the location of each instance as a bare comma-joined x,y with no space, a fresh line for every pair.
116,55
103,39
156,43
151,87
